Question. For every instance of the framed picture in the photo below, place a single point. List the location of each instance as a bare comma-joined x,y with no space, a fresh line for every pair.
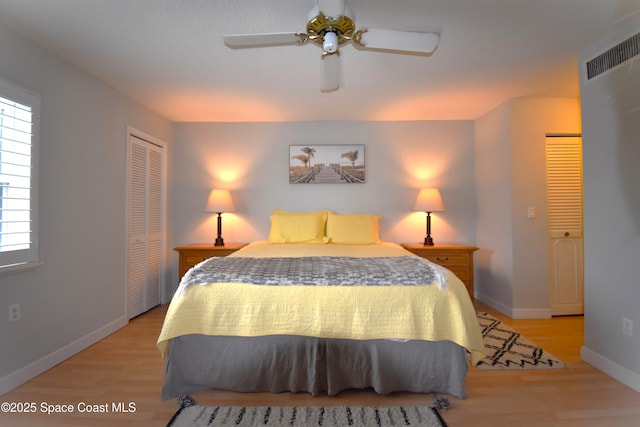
326,164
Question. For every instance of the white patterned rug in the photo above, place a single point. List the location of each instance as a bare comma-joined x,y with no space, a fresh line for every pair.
507,349
306,416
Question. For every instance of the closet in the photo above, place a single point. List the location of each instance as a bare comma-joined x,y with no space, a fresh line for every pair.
564,202
145,222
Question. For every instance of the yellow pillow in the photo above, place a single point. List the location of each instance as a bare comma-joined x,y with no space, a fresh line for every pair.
355,229
297,227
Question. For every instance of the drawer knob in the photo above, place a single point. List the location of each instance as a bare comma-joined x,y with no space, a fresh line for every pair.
443,259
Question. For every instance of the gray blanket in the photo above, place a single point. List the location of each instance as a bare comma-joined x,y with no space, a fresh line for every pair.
317,271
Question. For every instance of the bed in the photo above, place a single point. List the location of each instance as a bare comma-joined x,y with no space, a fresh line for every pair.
321,306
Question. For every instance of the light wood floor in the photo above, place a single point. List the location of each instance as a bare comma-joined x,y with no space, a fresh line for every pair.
126,368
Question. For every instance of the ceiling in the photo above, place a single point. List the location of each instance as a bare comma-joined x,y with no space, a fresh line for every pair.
169,55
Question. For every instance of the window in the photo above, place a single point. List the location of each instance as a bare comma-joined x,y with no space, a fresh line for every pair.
19,111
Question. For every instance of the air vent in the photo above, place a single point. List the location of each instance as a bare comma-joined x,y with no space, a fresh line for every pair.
614,57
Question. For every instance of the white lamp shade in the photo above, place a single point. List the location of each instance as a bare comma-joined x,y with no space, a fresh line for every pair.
219,201
429,200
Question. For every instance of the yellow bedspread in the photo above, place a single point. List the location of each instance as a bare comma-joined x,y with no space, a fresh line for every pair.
350,312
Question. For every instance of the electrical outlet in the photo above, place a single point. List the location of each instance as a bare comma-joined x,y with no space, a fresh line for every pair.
14,313
627,327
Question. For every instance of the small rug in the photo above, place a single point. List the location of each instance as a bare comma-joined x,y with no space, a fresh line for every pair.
192,415
507,349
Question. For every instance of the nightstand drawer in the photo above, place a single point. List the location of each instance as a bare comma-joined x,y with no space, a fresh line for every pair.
457,258
461,272
448,260
195,258
191,255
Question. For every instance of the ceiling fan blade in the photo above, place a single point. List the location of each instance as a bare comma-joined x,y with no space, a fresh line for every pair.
399,41
333,8
237,41
331,72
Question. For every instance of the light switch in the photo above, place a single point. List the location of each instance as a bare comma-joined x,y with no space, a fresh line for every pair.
531,213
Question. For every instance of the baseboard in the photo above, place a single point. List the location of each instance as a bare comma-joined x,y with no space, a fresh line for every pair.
495,304
531,313
32,370
618,372
515,313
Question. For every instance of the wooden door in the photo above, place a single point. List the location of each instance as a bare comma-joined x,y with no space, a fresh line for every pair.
564,201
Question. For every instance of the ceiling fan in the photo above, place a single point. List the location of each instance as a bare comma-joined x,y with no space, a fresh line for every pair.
330,25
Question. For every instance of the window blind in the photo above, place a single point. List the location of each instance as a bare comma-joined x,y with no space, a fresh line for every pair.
18,214
564,186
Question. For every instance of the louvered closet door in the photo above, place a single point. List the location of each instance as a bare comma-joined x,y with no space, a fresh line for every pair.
144,255
564,202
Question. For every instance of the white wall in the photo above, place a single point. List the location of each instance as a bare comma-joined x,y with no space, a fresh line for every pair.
531,121
513,263
78,295
252,160
494,259
611,150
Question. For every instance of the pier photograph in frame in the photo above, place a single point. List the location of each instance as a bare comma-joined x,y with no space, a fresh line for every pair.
327,164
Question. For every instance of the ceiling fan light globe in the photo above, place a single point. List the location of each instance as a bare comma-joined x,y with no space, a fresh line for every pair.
330,43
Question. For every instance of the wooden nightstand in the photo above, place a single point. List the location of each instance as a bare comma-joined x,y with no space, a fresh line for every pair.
457,258
191,255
